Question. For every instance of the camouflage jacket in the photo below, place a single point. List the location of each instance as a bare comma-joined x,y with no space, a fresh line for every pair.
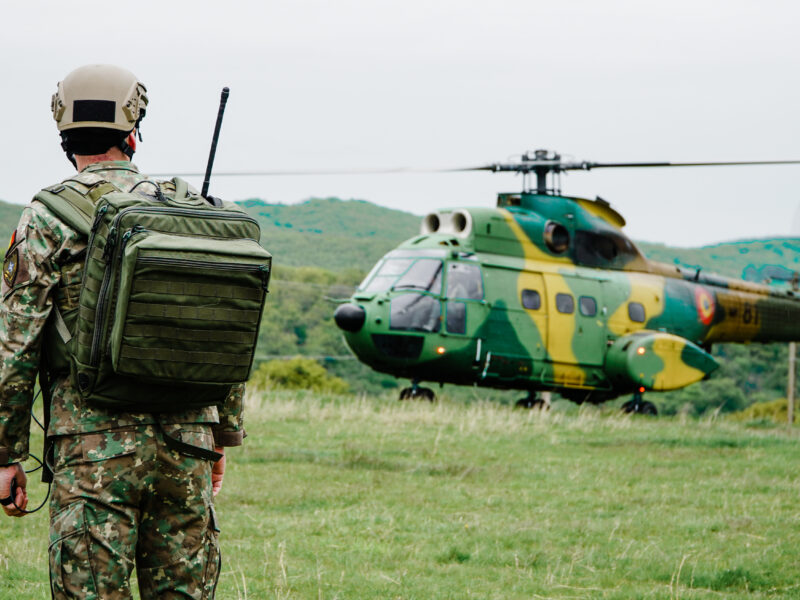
44,265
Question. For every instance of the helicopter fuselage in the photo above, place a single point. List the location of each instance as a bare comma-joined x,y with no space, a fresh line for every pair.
546,293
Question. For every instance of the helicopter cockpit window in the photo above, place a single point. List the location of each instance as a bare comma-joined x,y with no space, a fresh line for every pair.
464,281
565,303
588,306
603,249
425,275
636,312
531,299
415,312
383,275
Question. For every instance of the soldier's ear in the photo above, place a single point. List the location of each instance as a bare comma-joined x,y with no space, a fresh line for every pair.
131,140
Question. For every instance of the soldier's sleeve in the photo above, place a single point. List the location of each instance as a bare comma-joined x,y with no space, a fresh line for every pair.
29,276
230,430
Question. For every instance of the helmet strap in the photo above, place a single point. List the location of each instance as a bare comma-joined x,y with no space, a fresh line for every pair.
70,155
126,148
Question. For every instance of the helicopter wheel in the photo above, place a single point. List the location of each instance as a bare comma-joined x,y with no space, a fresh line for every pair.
640,407
648,408
417,393
532,402
425,394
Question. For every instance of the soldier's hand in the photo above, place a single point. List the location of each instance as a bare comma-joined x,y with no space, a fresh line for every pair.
218,472
7,474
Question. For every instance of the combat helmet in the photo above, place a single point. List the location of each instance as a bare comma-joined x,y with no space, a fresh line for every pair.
96,107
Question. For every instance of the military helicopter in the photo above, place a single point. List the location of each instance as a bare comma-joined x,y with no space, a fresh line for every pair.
546,293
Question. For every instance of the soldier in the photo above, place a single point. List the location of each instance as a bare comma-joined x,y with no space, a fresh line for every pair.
121,496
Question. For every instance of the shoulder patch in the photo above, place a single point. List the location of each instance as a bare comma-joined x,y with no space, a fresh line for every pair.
11,267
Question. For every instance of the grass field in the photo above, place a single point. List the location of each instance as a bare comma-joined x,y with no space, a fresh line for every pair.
335,497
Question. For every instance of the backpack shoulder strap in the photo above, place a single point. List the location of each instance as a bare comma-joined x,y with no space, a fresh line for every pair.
73,207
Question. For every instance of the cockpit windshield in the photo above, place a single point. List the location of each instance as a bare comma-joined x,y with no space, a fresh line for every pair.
423,274
384,274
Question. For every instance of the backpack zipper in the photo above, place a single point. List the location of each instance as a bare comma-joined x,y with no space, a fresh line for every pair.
204,214
203,264
102,296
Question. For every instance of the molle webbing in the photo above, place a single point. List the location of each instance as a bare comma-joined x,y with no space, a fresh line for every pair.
184,356
185,288
199,335
192,313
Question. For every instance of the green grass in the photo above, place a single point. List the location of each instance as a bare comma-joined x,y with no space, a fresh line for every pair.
336,497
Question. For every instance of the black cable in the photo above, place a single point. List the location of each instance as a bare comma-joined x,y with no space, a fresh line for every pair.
41,466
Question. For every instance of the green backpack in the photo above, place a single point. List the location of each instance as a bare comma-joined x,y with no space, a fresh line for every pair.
171,298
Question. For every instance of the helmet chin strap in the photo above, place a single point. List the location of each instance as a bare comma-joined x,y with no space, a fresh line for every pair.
125,146
70,155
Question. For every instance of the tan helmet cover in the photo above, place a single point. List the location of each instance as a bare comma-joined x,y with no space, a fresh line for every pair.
99,96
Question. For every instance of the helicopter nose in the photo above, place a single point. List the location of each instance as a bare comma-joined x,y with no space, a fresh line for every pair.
350,317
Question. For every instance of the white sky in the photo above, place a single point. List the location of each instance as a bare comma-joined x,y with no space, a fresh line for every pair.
381,83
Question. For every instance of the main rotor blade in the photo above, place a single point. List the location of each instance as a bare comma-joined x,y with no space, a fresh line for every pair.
519,167
586,166
556,165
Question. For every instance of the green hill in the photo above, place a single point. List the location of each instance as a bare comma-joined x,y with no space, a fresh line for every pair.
330,233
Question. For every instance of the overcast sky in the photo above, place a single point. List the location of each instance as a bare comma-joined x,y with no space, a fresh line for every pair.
384,83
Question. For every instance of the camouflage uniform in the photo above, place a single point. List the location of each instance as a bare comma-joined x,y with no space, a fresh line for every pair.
120,496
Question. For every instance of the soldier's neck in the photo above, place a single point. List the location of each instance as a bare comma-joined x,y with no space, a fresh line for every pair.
84,160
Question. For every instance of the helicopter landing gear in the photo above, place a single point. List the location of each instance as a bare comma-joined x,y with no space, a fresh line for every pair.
639,406
415,392
532,401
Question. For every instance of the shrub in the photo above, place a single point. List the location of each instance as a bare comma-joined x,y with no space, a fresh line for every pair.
775,410
298,373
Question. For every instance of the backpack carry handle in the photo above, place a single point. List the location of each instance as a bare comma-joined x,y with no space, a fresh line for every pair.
181,189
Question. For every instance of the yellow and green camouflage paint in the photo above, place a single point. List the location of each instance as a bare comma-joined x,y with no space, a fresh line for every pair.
545,292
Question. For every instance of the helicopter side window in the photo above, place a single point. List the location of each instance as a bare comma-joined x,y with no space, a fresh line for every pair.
384,274
425,274
636,312
464,281
415,312
531,300
588,306
456,320
565,303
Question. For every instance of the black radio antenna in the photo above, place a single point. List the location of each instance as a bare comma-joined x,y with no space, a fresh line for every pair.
223,100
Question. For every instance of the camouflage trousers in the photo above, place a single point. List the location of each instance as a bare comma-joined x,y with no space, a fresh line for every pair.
121,499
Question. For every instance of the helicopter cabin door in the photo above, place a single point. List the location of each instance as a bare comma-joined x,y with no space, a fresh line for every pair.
513,337
576,325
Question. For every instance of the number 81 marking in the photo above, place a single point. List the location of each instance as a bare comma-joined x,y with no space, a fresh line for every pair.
750,314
